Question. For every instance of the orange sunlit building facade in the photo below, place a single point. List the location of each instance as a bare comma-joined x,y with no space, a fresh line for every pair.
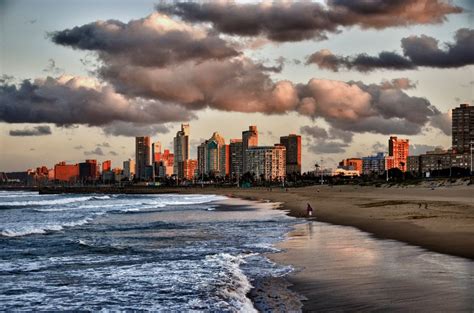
398,149
66,172
188,169
354,164
106,166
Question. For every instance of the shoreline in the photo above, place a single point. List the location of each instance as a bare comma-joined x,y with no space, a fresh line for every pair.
440,220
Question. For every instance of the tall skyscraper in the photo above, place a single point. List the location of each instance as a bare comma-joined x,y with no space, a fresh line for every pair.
106,166
398,149
181,147
249,139
142,157
88,170
164,168
292,144
268,163
156,152
463,128
188,169
213,156
129,169
235,158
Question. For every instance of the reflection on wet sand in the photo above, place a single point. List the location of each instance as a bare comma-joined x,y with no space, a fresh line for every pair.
342,268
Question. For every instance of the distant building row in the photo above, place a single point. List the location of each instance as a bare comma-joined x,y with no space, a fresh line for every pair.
215,158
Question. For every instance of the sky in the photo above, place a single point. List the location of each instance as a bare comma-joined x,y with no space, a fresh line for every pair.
79,79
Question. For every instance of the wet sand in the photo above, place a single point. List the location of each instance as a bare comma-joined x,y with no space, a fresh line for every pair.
341,269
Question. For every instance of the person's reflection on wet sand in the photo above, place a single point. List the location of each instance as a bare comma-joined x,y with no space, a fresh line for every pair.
310,229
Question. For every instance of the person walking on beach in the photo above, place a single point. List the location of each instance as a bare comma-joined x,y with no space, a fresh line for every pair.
309,210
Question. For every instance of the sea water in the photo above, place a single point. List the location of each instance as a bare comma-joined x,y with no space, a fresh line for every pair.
134,252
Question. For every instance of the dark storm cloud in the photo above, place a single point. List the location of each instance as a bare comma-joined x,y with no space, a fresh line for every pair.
139,96
6,79
295,21
315,132
357,107
379,147
53,69
156,40
236,84
328,147
443,122
398,83
75,100
425,51
323,141
134,129
41,130
239,85
380,14
417,149
96,151
417,51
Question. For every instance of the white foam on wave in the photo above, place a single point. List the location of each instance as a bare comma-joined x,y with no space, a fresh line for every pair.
236,285
106,197
130,210
49,202
75,208
18,195
31,230
187,200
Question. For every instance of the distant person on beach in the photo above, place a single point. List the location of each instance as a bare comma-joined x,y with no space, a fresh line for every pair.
309,210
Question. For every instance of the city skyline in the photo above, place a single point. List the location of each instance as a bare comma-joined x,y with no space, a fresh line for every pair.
303,62
243,156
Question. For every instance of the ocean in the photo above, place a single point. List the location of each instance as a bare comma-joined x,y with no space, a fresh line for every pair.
136,252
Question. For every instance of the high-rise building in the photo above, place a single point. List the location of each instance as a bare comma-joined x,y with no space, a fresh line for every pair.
268,163
181,147
398,149
129,169
168,158
249,139
201,157
235,158
142,157
106,166
188,169
66,172
292,144
156,152
213,156
88,170
165,167
463,128
224,157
